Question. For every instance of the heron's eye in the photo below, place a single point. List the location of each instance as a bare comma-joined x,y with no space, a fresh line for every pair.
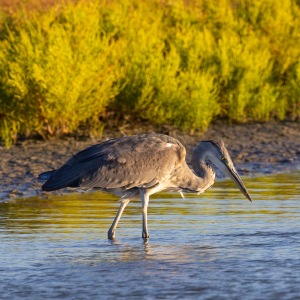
223,158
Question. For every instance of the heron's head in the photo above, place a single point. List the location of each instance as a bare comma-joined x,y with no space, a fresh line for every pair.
214,153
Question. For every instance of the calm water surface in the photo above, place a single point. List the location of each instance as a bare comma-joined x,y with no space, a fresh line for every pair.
218,246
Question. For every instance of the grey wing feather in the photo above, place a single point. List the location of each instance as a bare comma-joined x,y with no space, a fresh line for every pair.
130,161
45,175
77,166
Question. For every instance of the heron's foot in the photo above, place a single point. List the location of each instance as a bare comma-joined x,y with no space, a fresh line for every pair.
145,235
111,235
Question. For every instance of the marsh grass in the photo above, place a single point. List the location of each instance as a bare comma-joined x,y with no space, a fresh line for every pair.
169,62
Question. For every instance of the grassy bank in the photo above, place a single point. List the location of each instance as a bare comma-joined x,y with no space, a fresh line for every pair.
176,62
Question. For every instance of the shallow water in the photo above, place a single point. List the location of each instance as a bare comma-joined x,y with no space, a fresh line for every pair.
218,246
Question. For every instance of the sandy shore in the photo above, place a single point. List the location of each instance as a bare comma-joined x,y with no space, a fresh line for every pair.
255,148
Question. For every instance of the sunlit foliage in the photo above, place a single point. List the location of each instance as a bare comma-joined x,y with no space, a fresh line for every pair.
176,62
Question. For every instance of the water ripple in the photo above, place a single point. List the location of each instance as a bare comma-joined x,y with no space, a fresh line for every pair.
218,246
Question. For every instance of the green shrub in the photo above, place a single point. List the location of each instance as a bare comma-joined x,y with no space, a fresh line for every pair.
58,71
175,62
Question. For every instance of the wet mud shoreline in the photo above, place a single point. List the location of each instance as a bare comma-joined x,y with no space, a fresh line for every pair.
255,149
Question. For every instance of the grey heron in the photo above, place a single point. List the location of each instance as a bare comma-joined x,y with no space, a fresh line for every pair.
141,165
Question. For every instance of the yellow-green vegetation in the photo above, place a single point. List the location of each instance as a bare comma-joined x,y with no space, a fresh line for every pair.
175,62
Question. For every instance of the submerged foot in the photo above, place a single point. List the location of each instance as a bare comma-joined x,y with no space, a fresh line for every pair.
145,235
111,235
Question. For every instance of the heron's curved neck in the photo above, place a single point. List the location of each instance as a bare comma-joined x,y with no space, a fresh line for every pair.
198,181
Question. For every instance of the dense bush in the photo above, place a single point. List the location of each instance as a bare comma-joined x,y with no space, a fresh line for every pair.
176,62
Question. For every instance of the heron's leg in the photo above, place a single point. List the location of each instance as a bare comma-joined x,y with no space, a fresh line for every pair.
112,230
145,201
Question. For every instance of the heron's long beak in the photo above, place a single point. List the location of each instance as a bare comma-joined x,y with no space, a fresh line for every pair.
233,174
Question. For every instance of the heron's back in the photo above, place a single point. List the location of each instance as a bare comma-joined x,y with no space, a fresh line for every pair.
123,163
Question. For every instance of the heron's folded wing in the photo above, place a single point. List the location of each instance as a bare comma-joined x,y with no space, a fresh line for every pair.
121,163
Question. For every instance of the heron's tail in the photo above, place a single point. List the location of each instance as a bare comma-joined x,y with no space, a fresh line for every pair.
46,175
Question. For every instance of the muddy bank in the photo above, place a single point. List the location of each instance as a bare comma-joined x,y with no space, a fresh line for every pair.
254,148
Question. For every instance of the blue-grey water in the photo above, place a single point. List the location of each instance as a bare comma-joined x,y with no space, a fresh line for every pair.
216,246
